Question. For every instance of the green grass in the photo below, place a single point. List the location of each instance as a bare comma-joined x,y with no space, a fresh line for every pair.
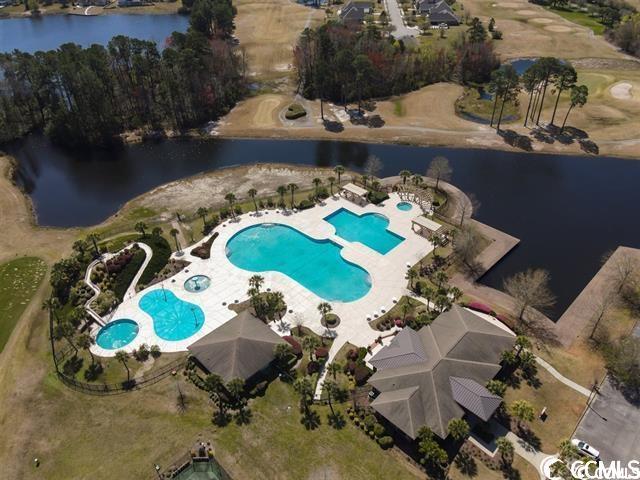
116,244
399,109
124,278
19,280
161,253
581,18
471,103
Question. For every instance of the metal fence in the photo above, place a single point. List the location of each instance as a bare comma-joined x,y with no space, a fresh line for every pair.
61,354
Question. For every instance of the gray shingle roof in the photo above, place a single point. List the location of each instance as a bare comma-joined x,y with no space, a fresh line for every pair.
474,397
238,349
458,344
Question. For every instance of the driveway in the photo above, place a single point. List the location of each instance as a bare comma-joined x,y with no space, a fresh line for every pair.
395,18
617,437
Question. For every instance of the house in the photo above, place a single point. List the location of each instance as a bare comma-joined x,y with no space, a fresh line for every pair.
239,348
355,11
438,373
438,11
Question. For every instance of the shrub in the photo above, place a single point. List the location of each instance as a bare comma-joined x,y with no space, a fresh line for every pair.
370,421
377,197
259,389
385,442
306,204
295,111
378,430
204,251
480,307
399,322
142,353
496,35
362,352
350,367
322,353
313,367
155,351
295,345
361,374
419,287
352,354
238,210
161,253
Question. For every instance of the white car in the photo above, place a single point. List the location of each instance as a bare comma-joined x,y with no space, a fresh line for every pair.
585,448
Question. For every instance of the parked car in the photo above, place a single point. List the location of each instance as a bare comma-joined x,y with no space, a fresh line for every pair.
585,448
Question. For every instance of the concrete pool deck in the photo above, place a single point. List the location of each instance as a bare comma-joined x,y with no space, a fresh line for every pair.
229,284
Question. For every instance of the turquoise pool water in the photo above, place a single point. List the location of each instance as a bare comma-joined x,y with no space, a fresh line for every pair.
315,264
173,319
369,229
404,206
117,334
197,283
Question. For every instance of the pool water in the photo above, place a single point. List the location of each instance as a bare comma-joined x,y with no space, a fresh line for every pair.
117,334
173,319
369,229
197,283
317,265
404,206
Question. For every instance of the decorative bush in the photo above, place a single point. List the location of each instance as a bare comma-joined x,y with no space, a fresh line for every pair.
385,442
161,253
480,307
321,353
377,197
370,421
350,367
142,353
399,322
155,351
313,367
204,251
361,374
378,430
419,287
306,204
352,354
362,352
295,111
295,345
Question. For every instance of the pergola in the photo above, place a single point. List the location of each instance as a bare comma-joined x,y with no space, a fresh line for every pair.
354,193
425,227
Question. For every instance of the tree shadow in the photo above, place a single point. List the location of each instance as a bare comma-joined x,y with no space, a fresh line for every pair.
589,146
375,121
516,140
311,420
333,126
72,366
466,464
336,420
526,434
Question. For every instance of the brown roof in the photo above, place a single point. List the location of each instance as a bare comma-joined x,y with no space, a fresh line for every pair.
238,349
417,391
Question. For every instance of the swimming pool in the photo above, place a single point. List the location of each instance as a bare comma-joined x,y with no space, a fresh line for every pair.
173,319
369,229
404,206
117,334
315,264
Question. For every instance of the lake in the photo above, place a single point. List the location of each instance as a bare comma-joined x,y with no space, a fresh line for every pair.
567,210
50,31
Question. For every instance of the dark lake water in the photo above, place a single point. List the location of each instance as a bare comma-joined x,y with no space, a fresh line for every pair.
567,210
51,31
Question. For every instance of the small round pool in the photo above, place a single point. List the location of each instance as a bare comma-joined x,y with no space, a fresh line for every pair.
117,334
197,283
404,206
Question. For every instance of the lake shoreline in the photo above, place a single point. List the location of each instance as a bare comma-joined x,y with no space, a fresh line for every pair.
100,12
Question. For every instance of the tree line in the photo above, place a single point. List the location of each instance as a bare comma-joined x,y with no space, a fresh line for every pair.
345,63
546,73
87,96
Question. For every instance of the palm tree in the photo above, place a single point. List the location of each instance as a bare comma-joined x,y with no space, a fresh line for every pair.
123,356
332,181
324,308
412,275
404,174
282,351
256,281
282,190
52,304
579,97
364,179
316,183
506,450
156,232
252,194
441,277
332,390
310,343
334,369
405,308
94,237
458,429
202,213
174,233
141,227
292,188
231,198
67,331
416,179
303,387
85,341
436,241
338,170
523,411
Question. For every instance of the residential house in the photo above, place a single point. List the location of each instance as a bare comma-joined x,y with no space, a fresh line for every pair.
438,373
354,12
438,12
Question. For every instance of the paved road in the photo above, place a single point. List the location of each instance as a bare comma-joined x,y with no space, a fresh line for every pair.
617,437
395,18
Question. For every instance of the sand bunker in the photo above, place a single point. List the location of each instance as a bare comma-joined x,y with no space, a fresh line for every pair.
558,29
541,20
622,91
527,13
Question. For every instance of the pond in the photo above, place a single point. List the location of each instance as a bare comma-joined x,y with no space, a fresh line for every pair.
567,210
50,31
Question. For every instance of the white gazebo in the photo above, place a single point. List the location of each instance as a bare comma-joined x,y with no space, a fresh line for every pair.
425,227
354,193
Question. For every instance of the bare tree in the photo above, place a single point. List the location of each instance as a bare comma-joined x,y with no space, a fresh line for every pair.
530,289
625,270
466,247
439,169
464,209
373,166
600,306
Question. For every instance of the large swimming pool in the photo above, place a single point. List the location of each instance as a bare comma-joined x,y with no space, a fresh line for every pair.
117,334
173,319
369,229
315,264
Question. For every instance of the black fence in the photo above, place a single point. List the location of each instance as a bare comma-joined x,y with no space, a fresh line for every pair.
61,354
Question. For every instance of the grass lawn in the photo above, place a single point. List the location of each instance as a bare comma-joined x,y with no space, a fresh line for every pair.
19,280
471,104
118,243
396,311
581,18
564,407
523,471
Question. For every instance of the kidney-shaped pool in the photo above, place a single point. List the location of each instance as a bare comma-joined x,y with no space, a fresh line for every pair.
173,319
315,264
